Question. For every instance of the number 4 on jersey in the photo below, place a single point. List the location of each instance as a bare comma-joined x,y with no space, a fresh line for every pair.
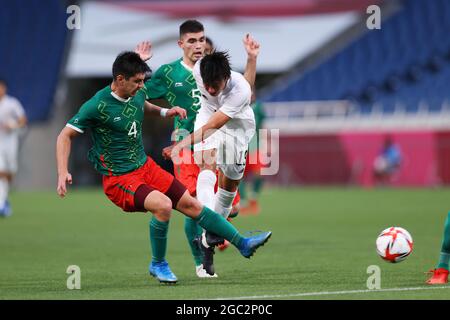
133,130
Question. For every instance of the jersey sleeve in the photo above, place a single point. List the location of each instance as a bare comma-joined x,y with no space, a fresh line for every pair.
85,118
18,110
156,88
236,100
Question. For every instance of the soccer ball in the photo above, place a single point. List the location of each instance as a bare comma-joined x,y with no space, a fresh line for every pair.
394,244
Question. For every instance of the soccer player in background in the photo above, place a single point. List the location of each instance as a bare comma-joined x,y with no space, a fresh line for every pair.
388,162
131,179
440,273
12,119
252,173
175,83
225,105
209,46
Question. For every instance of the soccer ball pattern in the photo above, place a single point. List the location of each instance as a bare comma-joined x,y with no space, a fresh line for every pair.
394,244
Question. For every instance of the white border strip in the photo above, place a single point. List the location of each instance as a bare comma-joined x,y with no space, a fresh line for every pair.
325,293
74,128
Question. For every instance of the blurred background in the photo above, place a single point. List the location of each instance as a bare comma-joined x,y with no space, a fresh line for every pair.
342,95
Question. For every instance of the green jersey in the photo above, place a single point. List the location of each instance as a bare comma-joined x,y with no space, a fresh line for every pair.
175,83
260,115
116,126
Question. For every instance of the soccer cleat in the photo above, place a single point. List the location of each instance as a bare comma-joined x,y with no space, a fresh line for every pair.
162,272
233,215
6,210
201,272
223,246
440,276
213,239
207,252
249,245
251,209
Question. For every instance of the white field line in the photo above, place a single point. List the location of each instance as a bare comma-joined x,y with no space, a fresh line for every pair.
328,293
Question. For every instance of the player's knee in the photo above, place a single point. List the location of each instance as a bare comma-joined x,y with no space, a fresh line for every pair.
163,212
166,206
160,206
190,205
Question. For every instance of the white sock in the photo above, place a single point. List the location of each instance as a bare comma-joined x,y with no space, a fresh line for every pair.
224,201
205,188
4,188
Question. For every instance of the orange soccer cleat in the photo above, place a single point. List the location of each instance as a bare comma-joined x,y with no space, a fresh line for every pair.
224,245
251,209
440,276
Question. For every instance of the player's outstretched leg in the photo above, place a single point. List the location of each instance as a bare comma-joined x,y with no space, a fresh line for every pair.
213,222
160,206
440,273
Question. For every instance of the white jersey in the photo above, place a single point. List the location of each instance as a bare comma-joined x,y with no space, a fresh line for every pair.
233,138
233,101
10,112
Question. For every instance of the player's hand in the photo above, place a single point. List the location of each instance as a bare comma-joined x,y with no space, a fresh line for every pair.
167,152
176,111
62,180
144,50
172,153
251,46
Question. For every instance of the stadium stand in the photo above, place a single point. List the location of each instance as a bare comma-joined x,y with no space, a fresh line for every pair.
32,52
404,67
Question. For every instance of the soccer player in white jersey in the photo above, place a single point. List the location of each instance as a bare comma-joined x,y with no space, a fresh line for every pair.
12,118
224,126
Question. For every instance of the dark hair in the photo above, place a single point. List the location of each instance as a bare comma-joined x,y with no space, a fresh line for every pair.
190,26
215,67
129,64
3,82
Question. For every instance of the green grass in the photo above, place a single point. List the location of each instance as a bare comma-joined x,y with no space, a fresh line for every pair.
323,240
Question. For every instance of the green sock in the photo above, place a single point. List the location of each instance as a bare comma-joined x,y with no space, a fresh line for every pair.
257,185
243,190
215,223
193,230
158,239
444,257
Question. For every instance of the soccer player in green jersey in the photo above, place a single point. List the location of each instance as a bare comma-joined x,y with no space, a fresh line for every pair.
252,172
131,179
175,83
439,275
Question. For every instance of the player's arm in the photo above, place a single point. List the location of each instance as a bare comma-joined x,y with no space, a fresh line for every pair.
18,123
252,48
22,121
217,120
163,112
20,118
63,146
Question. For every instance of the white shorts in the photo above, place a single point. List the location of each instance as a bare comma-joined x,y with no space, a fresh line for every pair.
231,145
8,157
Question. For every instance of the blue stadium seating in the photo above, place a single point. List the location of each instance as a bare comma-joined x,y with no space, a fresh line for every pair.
33,37
406,62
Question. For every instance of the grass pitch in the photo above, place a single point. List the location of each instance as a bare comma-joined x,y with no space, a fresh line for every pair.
323,242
